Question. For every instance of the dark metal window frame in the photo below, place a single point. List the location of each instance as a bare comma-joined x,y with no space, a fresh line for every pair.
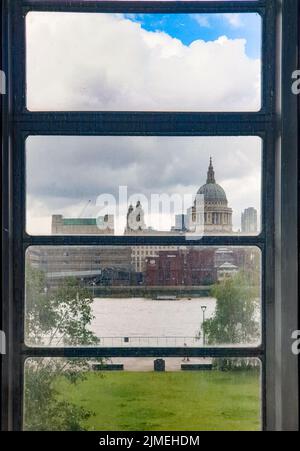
24,123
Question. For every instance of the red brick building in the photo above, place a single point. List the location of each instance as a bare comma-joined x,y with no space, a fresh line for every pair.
183,267
194,266
200,267
167,269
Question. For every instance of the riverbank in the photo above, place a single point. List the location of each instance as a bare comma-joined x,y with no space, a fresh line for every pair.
151,292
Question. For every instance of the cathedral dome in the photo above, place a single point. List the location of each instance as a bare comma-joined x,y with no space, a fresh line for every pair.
212,192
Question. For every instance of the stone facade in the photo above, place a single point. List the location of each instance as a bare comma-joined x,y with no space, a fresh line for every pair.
215,213
82,226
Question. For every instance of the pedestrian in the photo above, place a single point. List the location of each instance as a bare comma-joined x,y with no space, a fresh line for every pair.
186,357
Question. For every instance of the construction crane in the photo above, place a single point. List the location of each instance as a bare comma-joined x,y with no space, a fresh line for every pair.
84,208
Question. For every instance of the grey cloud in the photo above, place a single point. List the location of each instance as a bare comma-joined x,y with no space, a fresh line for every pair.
68,171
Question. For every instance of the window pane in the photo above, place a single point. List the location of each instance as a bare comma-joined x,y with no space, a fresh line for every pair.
127,395
119,185
143,62
143,296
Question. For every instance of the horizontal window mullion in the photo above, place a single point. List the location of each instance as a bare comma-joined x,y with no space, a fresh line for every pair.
147,6
101,240
142,352
142,122
131,116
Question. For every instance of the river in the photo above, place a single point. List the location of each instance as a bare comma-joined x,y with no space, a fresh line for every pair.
146,322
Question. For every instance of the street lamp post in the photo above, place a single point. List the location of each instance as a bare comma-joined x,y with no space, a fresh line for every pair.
94,284
203,308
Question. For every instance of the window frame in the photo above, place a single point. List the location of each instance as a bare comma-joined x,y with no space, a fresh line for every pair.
24,123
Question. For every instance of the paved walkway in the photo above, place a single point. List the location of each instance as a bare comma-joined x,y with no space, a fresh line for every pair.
146,363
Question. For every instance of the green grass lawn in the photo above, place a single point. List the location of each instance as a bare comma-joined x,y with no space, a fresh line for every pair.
182,401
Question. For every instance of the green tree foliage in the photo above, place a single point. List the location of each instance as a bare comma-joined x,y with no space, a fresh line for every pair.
58,317
235,321
44,411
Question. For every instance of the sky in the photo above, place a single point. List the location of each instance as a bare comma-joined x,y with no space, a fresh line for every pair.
64,173
104,62
208,27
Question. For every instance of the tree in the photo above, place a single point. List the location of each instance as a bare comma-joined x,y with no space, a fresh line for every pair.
235,318
58,317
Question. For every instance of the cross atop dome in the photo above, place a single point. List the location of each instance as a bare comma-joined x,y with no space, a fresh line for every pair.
211,173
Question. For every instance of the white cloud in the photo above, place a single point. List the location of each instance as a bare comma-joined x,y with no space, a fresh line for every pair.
202,20
106,62
234,20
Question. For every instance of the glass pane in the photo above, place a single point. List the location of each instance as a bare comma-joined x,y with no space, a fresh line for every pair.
128,395
143,296
119,185
143,62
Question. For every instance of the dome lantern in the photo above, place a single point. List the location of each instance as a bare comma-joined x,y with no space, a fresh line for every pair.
211,173
212,192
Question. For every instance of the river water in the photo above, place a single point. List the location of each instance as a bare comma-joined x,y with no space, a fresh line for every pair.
146,322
